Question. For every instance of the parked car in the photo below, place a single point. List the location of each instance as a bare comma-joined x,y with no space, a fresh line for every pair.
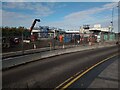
8,42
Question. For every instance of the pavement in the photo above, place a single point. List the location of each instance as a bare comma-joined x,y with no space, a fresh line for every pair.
108,78
23,59
30,51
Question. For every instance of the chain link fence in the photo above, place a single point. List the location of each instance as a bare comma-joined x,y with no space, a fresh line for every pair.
53,40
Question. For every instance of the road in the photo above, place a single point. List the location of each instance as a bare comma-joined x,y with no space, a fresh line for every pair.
51,72
98,75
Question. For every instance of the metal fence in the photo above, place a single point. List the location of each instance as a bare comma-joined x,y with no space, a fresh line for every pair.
51,41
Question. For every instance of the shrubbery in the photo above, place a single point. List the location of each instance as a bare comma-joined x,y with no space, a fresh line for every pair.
14,31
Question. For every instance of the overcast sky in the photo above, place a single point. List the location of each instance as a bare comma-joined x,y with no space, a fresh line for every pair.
65,15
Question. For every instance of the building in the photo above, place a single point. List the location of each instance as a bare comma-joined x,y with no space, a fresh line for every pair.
97,31
47,32
102,34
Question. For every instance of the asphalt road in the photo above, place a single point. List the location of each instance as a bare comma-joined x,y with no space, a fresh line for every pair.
50,72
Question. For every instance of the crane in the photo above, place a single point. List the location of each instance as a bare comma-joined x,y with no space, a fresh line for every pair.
31,28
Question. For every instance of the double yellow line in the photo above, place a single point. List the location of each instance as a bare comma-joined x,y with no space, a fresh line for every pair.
62,86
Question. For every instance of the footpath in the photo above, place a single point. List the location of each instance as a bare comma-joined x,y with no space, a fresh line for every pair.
108,78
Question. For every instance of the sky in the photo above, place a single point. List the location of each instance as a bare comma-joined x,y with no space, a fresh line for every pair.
64,15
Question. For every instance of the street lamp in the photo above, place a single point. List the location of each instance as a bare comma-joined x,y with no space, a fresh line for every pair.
111,30
112,18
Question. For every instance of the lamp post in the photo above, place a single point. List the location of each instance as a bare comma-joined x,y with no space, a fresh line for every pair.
112,18
112,28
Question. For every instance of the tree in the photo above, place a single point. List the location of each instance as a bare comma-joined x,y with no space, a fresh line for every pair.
13,31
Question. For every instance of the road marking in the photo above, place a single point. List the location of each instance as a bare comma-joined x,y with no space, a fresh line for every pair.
63,83
79,76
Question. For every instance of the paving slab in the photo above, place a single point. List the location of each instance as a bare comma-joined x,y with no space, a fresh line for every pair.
108,78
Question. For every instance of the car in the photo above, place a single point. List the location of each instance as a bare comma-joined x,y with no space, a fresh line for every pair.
26,41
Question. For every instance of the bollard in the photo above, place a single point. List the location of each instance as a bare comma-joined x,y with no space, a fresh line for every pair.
50,46
34,46
90,43
63,46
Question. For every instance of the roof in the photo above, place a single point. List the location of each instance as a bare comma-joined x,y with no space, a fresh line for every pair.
99,29
72,31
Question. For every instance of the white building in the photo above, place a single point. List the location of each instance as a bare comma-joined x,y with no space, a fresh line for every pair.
98,27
